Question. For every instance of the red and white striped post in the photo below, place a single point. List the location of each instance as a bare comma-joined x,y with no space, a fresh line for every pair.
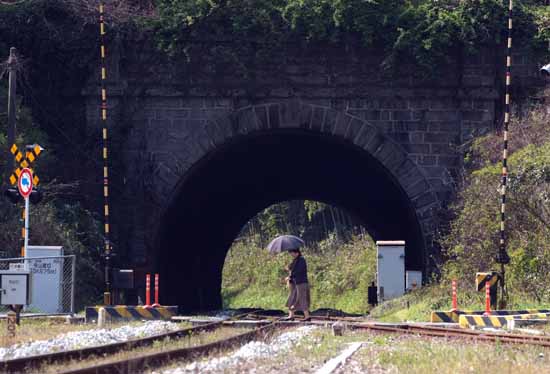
147,291
455,303
156,304
487,299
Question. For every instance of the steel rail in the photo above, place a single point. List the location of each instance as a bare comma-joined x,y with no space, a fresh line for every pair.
543,338
457,333
17,365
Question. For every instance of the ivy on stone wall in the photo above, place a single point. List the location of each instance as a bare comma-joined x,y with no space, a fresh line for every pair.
424,32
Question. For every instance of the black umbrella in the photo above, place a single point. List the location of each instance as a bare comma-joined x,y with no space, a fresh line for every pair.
285,243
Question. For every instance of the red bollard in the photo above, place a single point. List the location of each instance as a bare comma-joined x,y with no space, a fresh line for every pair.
147,291
156,304
487,299
455,303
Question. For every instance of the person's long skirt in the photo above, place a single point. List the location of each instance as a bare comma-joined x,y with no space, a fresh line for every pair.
299,298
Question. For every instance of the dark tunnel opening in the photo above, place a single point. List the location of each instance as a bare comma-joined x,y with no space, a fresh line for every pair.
230,186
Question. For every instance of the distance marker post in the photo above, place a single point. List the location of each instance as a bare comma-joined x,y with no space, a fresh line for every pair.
454,300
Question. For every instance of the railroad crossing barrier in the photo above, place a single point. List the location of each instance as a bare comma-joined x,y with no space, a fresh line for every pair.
468,320
126,312
490,279
454,315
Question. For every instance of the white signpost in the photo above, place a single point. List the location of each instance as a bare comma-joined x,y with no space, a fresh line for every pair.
47,275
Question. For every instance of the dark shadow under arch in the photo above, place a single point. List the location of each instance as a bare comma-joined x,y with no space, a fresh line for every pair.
229,186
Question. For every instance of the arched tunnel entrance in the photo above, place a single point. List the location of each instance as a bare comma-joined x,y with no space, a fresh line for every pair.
243,177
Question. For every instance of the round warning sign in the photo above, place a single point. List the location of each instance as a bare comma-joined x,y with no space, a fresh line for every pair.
24,183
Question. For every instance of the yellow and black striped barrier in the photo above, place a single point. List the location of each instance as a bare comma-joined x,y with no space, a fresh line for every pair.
492,278
448,317
497,321
125,312
482,278
454,316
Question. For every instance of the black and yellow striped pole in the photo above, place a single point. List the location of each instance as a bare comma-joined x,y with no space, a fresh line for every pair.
107,243
502,256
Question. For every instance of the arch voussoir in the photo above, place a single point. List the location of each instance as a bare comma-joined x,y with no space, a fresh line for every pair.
217,133
305,115
274,117
390,155
244,121
342,122
289,114
329,122
354,128
318,117
262,117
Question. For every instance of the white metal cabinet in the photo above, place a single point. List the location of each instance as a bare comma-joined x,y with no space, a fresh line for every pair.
390,269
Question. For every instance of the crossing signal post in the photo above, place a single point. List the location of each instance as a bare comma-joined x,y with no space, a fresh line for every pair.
27,183
24,185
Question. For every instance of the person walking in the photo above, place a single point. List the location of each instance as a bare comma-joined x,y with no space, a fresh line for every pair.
299,298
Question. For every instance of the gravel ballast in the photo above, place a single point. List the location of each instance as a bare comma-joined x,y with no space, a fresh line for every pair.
87,338
250,351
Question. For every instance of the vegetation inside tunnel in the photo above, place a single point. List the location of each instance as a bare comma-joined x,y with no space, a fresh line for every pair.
340,255
230,186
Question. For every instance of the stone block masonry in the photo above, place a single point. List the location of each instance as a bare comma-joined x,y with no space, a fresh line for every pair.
413,128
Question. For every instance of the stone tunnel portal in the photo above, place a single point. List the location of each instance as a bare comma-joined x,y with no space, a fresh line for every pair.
232,184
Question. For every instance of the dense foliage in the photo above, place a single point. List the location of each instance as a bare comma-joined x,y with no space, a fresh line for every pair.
425,32
473,239
312,220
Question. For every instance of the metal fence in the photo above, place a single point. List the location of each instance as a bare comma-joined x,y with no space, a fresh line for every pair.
52,282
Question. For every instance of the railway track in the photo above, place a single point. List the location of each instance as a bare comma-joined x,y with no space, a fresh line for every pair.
152,360
18,365
264,328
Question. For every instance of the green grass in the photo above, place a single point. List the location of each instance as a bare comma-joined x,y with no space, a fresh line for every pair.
338,275
421,355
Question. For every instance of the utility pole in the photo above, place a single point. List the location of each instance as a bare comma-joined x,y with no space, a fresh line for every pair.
12,77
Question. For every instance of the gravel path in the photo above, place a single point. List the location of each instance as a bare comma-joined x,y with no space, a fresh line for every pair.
247,353
87,338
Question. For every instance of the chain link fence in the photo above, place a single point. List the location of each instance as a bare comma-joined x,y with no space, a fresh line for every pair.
52,282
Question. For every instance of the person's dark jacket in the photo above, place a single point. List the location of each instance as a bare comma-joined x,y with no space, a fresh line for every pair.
298,271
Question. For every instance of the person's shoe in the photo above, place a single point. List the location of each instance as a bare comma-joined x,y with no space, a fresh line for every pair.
306,319
289,318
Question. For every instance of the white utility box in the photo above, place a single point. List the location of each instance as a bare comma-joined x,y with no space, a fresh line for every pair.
390,269
14,287
46,266
413,280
